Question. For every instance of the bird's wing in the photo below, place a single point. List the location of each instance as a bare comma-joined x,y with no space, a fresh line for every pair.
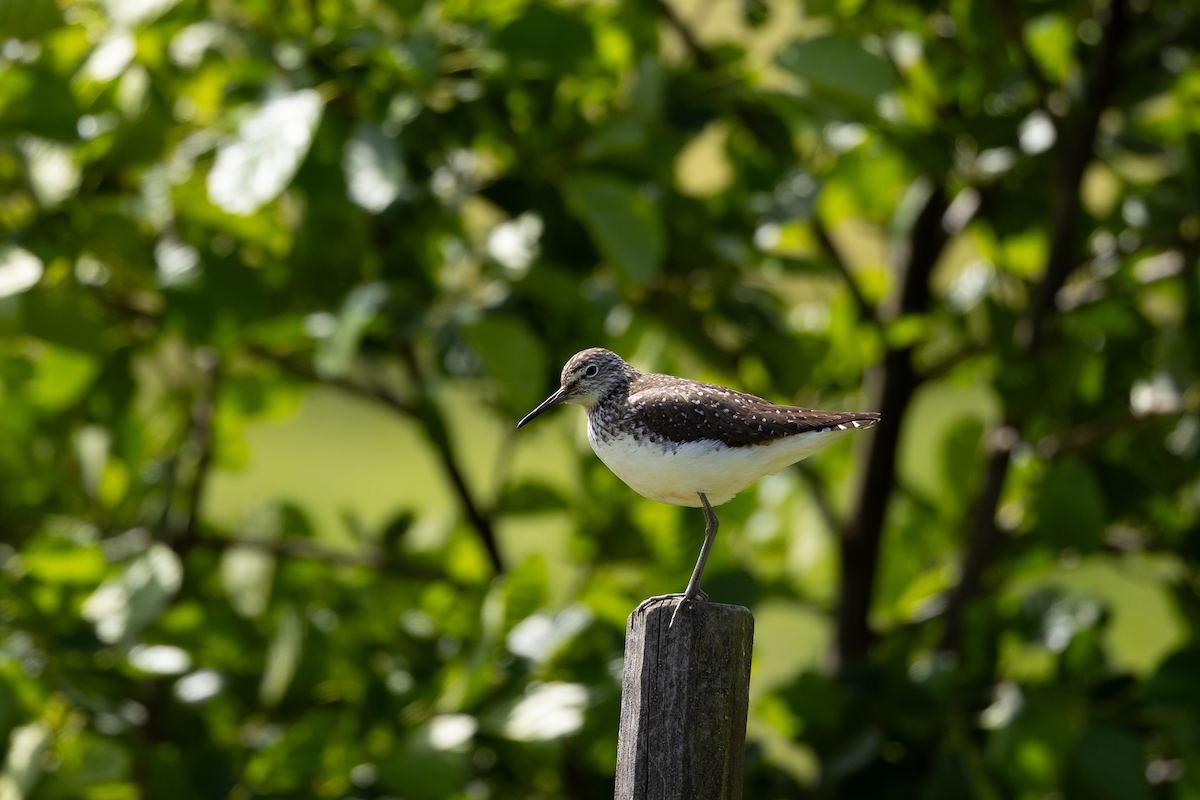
690,411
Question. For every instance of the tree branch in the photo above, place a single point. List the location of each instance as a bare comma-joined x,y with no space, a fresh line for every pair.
860,539
709,64
430,417
820,493
1088,434
200,441
865,309
301,548
947,364
702,56
985,536
1076,148
1011,18
435,426
1076,151
305,370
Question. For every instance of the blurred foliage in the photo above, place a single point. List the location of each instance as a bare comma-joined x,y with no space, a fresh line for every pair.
391,221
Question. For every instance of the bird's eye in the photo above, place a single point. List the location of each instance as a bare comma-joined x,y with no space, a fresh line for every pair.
591,371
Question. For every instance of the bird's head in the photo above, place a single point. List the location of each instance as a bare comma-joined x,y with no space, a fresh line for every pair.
589,375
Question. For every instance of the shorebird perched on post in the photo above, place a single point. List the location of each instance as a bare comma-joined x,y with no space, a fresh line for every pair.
688,443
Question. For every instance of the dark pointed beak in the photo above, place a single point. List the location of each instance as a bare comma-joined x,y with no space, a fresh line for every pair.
549,402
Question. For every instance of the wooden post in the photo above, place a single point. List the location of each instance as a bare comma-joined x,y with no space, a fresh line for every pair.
684,698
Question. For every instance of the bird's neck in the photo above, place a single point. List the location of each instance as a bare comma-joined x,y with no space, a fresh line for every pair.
614,400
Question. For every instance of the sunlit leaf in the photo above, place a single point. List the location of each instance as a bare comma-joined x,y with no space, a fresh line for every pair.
20,270
259,163
123,605
283,656
82,565
53,169
374,172
337,350
22,764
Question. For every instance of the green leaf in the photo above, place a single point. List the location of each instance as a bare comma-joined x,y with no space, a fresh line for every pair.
60,317
547,37
125,604
530,498
1051,41
28,19
1174,684
960,454
1071,509
255,167
375,173
513,355
91,760
283,656
79,565
839,65
624,225
63,376
524,590
20,270
431,763
1108,765
336,352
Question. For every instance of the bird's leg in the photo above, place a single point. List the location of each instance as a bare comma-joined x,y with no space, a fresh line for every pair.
710,534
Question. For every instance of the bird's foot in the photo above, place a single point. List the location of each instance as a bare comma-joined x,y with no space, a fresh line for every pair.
681,597
642,605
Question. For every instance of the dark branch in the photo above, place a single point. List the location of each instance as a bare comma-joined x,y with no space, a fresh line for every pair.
435,427
481,522
865,309
1010,17
300,548
702,56
820,492
1081,437
305,370
981,544
1076,147
745,114
200,441
947,364
425,412
860,539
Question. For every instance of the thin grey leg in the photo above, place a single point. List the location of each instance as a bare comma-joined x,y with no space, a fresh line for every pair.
710,534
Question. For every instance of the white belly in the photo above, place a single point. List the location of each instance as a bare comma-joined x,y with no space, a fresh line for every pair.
676,474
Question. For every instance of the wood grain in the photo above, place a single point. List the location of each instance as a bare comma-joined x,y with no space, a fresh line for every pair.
685,694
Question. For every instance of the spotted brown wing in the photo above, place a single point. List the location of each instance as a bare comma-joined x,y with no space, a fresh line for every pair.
689,411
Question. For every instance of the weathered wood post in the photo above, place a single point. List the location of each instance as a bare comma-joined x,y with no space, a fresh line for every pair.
684,697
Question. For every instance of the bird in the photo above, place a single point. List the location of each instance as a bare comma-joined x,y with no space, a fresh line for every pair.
687,443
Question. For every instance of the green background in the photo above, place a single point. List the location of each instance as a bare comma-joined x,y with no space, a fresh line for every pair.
277,279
